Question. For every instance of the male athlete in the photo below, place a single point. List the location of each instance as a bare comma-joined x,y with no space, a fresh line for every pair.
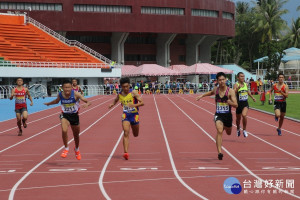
20,93
242,92
69,116
131,101
225,98
76,87
281,92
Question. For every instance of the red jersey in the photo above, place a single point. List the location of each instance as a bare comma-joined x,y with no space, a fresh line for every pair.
20,99
277,95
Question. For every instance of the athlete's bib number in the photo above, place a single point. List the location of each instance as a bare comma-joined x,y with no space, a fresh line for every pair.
222,108
69,108
278,97
128,109
243,96
20,100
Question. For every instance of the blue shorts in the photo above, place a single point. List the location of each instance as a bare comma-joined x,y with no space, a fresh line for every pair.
133,118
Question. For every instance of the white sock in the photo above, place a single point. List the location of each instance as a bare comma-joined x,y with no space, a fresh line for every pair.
67,148
76,149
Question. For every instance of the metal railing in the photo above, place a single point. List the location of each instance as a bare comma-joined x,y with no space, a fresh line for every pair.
69,42
38,91
52,64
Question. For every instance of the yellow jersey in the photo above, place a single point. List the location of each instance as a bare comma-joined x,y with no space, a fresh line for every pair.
128,99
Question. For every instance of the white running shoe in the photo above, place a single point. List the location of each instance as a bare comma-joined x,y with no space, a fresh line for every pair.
245,133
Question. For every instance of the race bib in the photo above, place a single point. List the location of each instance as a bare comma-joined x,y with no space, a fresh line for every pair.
69,108
20,100
278,97
243,96
128,109
222,107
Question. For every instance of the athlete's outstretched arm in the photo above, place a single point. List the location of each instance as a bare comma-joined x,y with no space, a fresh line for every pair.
212,92
12,94
236,88
139,98
232,99
29,96
55,101
250,95
82,98
114,102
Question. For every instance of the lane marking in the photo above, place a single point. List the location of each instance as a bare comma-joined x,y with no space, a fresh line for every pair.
40,118
22,141
171,157
138,169
100,182
217,168
279,148
232,156
66,170
13,190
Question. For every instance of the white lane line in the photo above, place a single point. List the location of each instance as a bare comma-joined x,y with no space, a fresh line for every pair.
100,182
13,190
139,180
40,118
232,156
16,144
258,120
279,148
171,157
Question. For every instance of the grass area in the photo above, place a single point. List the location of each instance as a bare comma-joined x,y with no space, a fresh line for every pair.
292,109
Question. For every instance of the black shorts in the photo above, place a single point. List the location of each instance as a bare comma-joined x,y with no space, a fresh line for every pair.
225,118
21,110
280,105
73,118
241,106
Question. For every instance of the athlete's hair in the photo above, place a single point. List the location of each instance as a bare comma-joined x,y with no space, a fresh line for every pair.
124,80
19,78
220,74
67,81
280,74
74,79
239,74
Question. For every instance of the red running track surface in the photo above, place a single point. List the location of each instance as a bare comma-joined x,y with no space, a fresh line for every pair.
174,156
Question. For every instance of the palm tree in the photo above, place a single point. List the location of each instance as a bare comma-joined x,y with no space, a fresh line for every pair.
268,19
242,8
294,36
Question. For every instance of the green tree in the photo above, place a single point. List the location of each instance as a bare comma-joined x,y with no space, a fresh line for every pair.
294,34
268,19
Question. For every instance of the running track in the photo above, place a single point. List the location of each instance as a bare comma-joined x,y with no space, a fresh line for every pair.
173,158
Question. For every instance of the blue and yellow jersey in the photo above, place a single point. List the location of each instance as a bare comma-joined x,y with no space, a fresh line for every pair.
128,99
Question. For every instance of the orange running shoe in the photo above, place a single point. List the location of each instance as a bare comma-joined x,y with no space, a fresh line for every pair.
126,156
77,154
64,153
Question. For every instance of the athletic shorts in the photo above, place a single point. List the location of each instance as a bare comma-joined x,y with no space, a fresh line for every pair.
225,118
133,118
73,118
21,110
241,106
280,105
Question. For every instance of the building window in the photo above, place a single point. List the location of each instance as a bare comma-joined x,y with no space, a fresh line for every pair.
136,57
162,11
33,6
227,15
205,13
102,8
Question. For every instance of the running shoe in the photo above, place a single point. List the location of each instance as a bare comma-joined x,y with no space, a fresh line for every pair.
126,156
20,132
64,153
276,119
77,154
220,156
245,133
24,124
238,133
279,132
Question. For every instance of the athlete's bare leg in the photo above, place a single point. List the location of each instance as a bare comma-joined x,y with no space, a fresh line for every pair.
126,129
24,118
244,115
76,131
64,127
135,130
281,120
220,128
